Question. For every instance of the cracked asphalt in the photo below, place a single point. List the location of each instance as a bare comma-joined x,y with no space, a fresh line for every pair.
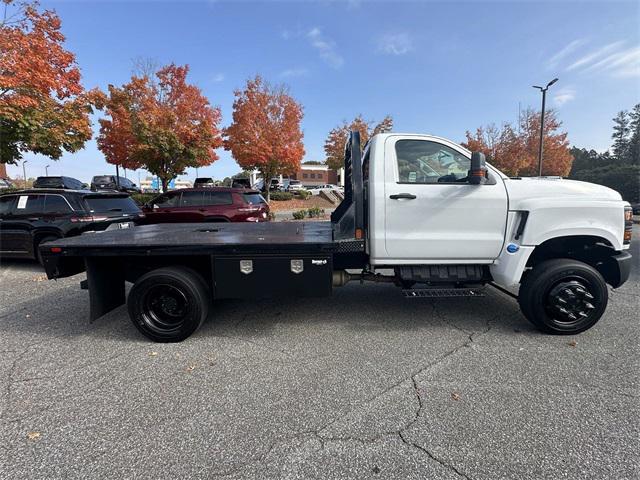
366,384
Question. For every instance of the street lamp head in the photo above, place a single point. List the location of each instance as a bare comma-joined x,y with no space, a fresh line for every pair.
552,82
536,86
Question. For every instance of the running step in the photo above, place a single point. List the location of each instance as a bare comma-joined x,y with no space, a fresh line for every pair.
443,292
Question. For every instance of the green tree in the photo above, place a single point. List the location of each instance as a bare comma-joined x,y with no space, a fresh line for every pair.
620,135
633,153
588,159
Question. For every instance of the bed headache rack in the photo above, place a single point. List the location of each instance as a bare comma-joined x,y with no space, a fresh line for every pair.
348,218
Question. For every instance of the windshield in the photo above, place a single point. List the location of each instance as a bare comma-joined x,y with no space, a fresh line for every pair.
111,204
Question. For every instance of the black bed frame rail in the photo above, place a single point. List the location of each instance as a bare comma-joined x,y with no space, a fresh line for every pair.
348,218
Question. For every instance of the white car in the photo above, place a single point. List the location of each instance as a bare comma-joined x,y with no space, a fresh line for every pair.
316,189
294,186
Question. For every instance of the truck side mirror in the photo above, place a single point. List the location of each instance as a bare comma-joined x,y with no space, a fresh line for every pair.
478,171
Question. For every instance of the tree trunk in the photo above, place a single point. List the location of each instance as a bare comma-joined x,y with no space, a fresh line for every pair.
267,186
165,184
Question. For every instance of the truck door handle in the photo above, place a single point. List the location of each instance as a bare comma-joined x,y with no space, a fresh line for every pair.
399,196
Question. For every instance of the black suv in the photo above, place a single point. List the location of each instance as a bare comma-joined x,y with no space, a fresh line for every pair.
31,217
59,182
103,183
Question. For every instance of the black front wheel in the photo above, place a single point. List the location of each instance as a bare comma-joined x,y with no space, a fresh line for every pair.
563,296
169,304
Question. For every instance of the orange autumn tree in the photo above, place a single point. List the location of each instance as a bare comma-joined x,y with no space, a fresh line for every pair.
265,134
335,142
516,152
164,125
43,106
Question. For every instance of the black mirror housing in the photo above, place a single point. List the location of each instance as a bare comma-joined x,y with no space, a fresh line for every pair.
478,171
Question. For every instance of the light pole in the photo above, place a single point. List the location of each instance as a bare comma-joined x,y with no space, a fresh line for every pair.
544,96
24,173
46,170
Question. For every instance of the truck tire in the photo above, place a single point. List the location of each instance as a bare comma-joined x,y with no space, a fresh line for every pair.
169,304
563,296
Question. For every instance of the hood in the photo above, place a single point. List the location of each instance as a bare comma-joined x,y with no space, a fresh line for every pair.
559,189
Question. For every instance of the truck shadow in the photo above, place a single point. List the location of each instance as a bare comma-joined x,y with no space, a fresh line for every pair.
371,308
351,311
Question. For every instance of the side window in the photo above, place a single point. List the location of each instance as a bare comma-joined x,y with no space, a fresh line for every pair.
192,199
422,161
167,200
29,205
218,198
5,204
55,204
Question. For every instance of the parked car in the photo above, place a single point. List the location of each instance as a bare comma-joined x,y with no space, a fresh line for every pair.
241,183
204,182
316,189
5,184
31,217
106,183
59,182
215,204
275,185
294,186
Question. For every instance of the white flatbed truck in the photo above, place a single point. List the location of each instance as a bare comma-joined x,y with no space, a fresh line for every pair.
425,208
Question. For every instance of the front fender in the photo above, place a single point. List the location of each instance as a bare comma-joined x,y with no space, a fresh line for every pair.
551,219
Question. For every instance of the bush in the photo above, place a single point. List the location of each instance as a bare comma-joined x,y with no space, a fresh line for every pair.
142,198
303,194
315,212
281,196
624,178
299,215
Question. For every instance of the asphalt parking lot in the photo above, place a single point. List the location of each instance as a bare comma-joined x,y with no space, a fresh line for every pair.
365,384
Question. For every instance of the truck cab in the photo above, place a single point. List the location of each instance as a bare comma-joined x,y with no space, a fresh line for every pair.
424,209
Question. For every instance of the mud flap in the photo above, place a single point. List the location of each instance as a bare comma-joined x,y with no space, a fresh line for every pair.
105,279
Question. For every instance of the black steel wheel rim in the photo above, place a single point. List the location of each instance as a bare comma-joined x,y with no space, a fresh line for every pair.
164,308
571,301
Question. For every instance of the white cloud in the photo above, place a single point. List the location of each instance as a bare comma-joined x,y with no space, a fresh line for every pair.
591,57
395,44
326,48
294,72
563,96
568,49
620,64
217,78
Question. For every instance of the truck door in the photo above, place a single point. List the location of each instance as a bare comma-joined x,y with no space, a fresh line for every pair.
432,213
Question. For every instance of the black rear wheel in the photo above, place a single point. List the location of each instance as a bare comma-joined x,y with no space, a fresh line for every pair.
169,304
563,296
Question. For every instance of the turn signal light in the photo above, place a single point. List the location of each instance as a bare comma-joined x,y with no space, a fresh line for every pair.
628,225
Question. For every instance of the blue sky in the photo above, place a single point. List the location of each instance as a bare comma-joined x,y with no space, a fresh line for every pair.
440,68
